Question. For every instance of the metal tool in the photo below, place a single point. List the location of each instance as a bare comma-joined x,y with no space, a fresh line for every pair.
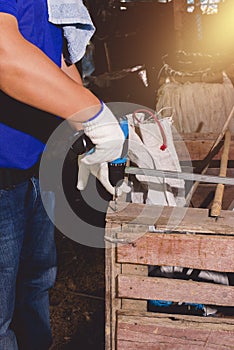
180,175
116,168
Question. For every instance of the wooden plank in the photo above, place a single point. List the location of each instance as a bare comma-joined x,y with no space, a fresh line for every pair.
130,304
150,288
173,218
136,270
215,172
133,269
196,136
208,252
183,319
108,299
133,345
195,146
112,303
172,332
217,77
179,10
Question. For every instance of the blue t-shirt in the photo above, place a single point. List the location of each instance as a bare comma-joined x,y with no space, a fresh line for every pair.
19,149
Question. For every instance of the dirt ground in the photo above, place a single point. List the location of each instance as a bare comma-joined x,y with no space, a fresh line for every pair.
77,300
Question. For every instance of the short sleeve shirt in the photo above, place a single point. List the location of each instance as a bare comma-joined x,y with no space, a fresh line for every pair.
18,149
32,16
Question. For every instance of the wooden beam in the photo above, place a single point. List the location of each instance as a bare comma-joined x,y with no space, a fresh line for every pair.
112,269
147,331
195,146
192,251
139,270
216,77
150,288
172,218
179,7
218,199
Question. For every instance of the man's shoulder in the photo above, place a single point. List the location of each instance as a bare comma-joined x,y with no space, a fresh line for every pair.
9,6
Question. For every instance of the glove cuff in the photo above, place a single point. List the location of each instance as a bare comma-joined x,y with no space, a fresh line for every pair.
96,115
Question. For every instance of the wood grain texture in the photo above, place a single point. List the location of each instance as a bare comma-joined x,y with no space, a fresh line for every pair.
195,146
172,332
150,288
112,269
194,251
173,218
135,270
218,198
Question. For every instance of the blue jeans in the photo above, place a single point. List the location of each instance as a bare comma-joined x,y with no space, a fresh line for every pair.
27,268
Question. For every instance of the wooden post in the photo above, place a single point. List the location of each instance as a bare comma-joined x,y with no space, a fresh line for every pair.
219,138
179,12
217,203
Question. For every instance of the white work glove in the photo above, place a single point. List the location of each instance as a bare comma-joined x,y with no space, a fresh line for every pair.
107,136
101,172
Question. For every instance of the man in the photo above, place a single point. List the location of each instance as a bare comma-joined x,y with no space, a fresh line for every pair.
34,77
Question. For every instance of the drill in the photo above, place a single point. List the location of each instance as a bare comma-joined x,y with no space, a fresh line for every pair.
117,167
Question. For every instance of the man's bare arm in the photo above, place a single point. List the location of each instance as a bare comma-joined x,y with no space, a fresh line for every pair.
72,72
29,76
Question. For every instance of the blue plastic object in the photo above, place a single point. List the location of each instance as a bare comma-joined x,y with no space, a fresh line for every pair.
160,303
165,303
123,122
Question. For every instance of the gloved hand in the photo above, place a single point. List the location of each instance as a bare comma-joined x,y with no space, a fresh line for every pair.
106,134
101,172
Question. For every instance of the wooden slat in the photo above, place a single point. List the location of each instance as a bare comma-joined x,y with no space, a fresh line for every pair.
112,269
135,270
132,269
195,146
166,345
216,322
173,218
171,332
196,136
150,288
215,172
133,304
183,78
194,251
179,12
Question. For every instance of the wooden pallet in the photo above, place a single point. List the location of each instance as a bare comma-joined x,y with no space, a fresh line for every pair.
185,237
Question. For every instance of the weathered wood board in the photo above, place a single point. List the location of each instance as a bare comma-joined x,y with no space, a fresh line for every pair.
195,146
147,331
149,288
175,250
172,218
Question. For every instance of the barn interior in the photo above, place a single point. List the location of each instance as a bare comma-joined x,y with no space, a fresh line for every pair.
175,59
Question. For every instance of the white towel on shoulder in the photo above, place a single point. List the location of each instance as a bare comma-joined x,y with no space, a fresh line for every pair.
77,25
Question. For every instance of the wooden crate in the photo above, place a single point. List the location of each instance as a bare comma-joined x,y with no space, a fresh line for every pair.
194,241
186,237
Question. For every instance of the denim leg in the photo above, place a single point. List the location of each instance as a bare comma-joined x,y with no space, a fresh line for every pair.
12,226
37,272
